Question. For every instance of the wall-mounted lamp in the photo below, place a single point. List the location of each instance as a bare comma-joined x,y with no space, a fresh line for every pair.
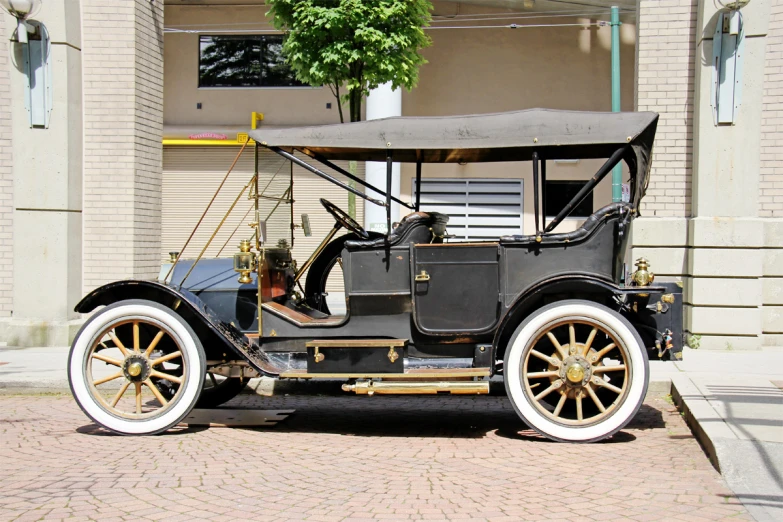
33,38
21,10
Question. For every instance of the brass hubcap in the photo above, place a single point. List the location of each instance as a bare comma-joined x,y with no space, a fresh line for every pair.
135,367
575,373
591,364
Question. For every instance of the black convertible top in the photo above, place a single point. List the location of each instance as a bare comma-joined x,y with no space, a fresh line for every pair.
507,136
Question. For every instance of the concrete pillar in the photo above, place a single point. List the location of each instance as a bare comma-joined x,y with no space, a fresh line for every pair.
382,102
725,234
6,175
46,165
123,114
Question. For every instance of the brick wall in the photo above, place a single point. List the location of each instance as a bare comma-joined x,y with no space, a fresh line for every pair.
665,84
123,72
6,174
771,180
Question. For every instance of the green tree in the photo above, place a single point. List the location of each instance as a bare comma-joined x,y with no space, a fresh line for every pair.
355,44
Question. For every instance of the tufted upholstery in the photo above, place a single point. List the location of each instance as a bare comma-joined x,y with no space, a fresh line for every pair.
416,227
591,223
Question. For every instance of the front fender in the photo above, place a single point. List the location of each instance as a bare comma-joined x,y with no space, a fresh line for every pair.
212,330
531,299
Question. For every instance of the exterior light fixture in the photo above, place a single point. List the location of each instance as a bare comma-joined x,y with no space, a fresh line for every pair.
21,10
33,38
244,262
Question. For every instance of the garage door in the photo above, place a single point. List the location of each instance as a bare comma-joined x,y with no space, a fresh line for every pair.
192,174
478,209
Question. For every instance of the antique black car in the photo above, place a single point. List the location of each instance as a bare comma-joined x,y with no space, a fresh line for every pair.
560,316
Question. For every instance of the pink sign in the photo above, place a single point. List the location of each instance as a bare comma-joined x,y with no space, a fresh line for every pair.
208,136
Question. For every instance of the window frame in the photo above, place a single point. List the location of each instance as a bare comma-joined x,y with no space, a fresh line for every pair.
239,87
574,215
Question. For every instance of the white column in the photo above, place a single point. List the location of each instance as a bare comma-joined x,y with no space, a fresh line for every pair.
382,102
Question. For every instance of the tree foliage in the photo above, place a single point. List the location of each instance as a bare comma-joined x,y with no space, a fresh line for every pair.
358,44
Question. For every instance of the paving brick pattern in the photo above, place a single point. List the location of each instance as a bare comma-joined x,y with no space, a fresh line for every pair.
354,458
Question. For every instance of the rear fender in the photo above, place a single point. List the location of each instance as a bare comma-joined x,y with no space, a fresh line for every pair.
570,286
221,340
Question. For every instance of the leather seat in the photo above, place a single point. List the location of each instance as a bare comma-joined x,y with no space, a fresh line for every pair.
416,227
610,211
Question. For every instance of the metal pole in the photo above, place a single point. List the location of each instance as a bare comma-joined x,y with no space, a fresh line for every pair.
617,173
543,193
389,165
418,185
535,193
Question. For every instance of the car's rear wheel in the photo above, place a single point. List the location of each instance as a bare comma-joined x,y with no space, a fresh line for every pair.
116,355
576,371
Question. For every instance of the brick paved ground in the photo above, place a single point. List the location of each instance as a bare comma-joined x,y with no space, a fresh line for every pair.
341,458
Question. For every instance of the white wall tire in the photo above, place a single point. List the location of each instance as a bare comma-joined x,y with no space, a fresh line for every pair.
536,361
138,317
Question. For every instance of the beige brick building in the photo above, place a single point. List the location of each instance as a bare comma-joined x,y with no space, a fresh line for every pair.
92,197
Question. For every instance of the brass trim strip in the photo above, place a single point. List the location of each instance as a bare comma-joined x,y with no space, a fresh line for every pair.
409,374
355,343
418,388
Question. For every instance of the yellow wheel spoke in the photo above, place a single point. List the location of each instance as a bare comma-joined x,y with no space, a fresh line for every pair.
106,359
595,398
136,344
550,360
167,357
166,376
552,387
118,344
589,342
562,351
154,343
606,349
604,369
571,338
138,397
560,404
537,375
120,393
154,389
107,379
600,382
579,415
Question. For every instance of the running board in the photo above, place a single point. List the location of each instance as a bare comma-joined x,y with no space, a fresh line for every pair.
409,374
418,388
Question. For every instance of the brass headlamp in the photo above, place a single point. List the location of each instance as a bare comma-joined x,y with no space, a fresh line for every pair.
642,276
244,262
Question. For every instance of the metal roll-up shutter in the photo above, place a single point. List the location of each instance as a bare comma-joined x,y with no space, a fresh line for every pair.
192,174
478,209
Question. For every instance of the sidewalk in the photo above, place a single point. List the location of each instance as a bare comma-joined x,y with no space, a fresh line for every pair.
733,402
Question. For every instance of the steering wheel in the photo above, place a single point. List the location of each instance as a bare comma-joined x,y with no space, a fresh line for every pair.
344,219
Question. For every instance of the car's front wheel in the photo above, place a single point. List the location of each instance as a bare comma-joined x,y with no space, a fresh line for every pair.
117,354
576,371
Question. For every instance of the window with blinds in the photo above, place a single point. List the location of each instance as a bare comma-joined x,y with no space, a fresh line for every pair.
478,209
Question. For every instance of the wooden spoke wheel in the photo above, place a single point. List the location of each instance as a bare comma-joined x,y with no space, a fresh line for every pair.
576,371
118,354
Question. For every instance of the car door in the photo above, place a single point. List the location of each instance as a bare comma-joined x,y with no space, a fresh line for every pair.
455,287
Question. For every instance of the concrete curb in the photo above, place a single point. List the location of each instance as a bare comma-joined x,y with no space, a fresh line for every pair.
696,410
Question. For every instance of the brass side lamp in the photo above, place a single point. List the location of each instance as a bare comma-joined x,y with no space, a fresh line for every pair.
642,276
244,262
